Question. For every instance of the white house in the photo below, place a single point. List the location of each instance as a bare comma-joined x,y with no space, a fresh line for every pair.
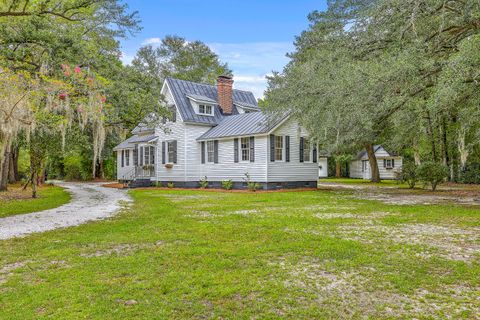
388,164
219,133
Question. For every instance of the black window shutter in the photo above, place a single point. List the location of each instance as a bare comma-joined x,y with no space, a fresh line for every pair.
127,157
252,149
301,148
287,148
123,156
215,151
314,156
203,152
174,151
393,163
272,148
135,155
141,156
235,149
152,155
163,152
384,163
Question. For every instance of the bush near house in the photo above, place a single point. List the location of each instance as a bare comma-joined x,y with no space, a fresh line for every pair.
432,173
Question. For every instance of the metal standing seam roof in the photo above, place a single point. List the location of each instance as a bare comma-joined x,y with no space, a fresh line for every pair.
130,142
181,89
241,125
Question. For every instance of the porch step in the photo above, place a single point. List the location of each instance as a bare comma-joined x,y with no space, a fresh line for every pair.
140,183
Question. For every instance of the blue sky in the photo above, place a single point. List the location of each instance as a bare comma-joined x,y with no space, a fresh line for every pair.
251,36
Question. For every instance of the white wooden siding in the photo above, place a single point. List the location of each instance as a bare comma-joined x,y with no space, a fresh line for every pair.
385,174
294,170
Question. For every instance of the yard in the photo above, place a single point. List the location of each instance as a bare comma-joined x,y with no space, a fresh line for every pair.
18,201
201,254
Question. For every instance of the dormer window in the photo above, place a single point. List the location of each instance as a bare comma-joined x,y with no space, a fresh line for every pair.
205,109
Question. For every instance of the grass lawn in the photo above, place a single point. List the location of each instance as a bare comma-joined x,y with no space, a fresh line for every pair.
197,254
393,183
48,197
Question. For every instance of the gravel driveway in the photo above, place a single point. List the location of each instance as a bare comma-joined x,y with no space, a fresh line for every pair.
90,201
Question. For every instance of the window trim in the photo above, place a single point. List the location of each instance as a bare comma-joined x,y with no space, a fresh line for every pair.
387,166
170,152
127,158
282,139
247,149
210,143
307,145
205,106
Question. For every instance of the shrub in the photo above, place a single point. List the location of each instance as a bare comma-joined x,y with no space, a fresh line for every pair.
203,183
252,186
170,185
73,168
227,184
432,173
471,174
409,174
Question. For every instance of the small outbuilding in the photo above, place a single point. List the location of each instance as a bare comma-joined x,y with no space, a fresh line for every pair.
388,165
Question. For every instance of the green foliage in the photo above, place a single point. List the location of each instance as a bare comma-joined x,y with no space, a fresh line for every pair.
170,185
409,174
48,197
74,169
471,174
375,71
227,184
432,173
176,57
252,186
203,183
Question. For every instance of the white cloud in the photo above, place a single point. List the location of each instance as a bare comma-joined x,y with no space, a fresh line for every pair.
251,62
152,41
126,58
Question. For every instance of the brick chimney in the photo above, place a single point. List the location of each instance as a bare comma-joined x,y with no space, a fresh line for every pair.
225,93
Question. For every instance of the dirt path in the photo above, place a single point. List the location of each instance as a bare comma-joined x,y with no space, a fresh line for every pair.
90,201
448,194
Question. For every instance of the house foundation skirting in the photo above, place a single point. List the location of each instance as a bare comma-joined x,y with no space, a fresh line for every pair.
240,185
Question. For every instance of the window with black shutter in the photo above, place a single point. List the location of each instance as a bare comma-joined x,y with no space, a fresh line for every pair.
315,156
152,155
252,149
135,155
272,148
127,157
141,156
123,158
163,152
203,152
302,143
215,151
235,150
287,148
172,151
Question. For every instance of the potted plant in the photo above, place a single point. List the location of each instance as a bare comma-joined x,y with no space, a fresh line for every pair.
169,165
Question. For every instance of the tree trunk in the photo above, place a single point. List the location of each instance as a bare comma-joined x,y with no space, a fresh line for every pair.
416,153
4,164
4,171
338,169
372,159
462,149
14,168
11,172
431,133
34,183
